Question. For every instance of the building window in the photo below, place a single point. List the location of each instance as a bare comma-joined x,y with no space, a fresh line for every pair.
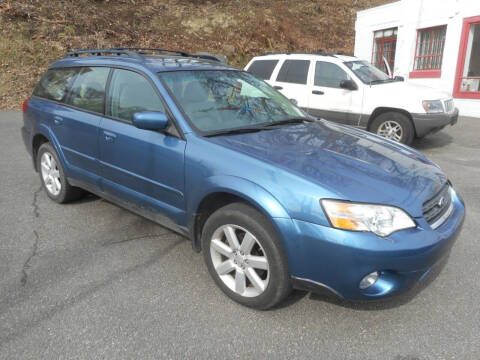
429,52
384,46
467,81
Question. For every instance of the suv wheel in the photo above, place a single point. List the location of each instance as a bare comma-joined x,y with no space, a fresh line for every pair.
394,126
53,177
245,257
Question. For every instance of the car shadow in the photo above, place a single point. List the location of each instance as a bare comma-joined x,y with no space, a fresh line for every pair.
374,305
434,141
87,198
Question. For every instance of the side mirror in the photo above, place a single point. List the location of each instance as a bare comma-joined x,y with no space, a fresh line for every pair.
399,78
294,102
150,120
348,85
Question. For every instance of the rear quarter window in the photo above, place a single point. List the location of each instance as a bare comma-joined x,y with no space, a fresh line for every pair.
294,71
55,83
262,69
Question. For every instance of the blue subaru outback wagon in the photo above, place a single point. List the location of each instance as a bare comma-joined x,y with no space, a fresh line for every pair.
274,198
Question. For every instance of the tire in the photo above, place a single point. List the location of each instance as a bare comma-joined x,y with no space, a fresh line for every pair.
386,123
274,276
53,180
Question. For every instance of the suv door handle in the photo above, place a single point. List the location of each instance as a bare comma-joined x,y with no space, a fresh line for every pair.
57,120
109,137
278,87
318,92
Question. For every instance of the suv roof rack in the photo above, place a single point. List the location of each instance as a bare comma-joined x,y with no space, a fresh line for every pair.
138,53
318,52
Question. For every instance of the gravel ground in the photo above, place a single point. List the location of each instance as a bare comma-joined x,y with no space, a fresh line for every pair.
91,280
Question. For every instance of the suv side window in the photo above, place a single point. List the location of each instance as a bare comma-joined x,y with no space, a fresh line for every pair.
294,71
329,75
263,69
55,83
88,89
129,93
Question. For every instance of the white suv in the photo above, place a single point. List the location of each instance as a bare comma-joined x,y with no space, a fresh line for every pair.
352,91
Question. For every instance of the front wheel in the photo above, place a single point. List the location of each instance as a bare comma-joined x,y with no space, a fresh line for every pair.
394,126
245,257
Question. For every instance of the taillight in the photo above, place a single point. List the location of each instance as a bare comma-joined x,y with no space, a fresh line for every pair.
25,104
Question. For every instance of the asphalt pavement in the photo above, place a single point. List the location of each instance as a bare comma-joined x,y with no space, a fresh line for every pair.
89,280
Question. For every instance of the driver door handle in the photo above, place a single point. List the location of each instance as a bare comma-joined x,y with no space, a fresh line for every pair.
109,137
278,87
318,92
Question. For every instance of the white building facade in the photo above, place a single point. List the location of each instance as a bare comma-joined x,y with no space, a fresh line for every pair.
430,42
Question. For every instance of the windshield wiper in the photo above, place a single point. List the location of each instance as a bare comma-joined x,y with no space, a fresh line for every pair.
288,121
268,126
380,81
235,131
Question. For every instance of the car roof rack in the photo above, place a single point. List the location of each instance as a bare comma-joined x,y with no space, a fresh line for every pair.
139,53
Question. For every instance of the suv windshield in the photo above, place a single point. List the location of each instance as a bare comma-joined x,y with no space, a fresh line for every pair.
219,101
368,73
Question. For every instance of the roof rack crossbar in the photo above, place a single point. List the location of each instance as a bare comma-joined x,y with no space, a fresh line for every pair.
142,49
138,52
99,52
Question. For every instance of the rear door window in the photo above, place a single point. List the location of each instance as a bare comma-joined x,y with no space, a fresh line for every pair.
129,93
88,89
55,84
294,71
263,69
329,75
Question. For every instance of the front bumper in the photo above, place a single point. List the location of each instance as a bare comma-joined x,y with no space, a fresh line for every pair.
324,257
430,123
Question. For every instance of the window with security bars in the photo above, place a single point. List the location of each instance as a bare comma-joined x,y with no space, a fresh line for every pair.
429,50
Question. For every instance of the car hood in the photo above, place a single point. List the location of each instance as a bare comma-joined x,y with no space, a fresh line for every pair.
410,90
347,163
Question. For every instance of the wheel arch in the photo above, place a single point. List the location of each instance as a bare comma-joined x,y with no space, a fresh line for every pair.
43,135
384,109
226,192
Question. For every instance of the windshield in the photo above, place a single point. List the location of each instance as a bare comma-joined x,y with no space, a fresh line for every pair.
367,72
224,100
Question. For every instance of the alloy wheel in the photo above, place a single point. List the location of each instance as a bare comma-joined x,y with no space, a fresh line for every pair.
239,260
391,130
50,173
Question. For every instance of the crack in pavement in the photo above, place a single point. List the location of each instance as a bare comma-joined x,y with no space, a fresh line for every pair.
34,202
26,265
30,323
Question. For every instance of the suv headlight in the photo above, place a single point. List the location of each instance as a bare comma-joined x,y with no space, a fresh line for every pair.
433,106
379,219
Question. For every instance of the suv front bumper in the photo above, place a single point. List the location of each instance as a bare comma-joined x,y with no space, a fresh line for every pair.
430,123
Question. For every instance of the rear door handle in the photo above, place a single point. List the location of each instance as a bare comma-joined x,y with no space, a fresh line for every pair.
278,87
109,137
318,92
57,120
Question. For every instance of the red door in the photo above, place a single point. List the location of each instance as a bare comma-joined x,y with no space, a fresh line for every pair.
385,49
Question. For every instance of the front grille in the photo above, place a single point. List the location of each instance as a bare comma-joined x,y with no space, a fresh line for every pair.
449,105
438,205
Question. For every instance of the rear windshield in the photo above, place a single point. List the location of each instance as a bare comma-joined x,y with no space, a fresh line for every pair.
55,83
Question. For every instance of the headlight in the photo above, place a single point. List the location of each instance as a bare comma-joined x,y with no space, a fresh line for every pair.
433,106
379,219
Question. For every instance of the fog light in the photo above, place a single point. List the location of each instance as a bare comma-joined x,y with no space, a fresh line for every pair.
369,280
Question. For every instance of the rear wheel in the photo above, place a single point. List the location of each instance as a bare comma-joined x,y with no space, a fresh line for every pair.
53,177
394,126
245,256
